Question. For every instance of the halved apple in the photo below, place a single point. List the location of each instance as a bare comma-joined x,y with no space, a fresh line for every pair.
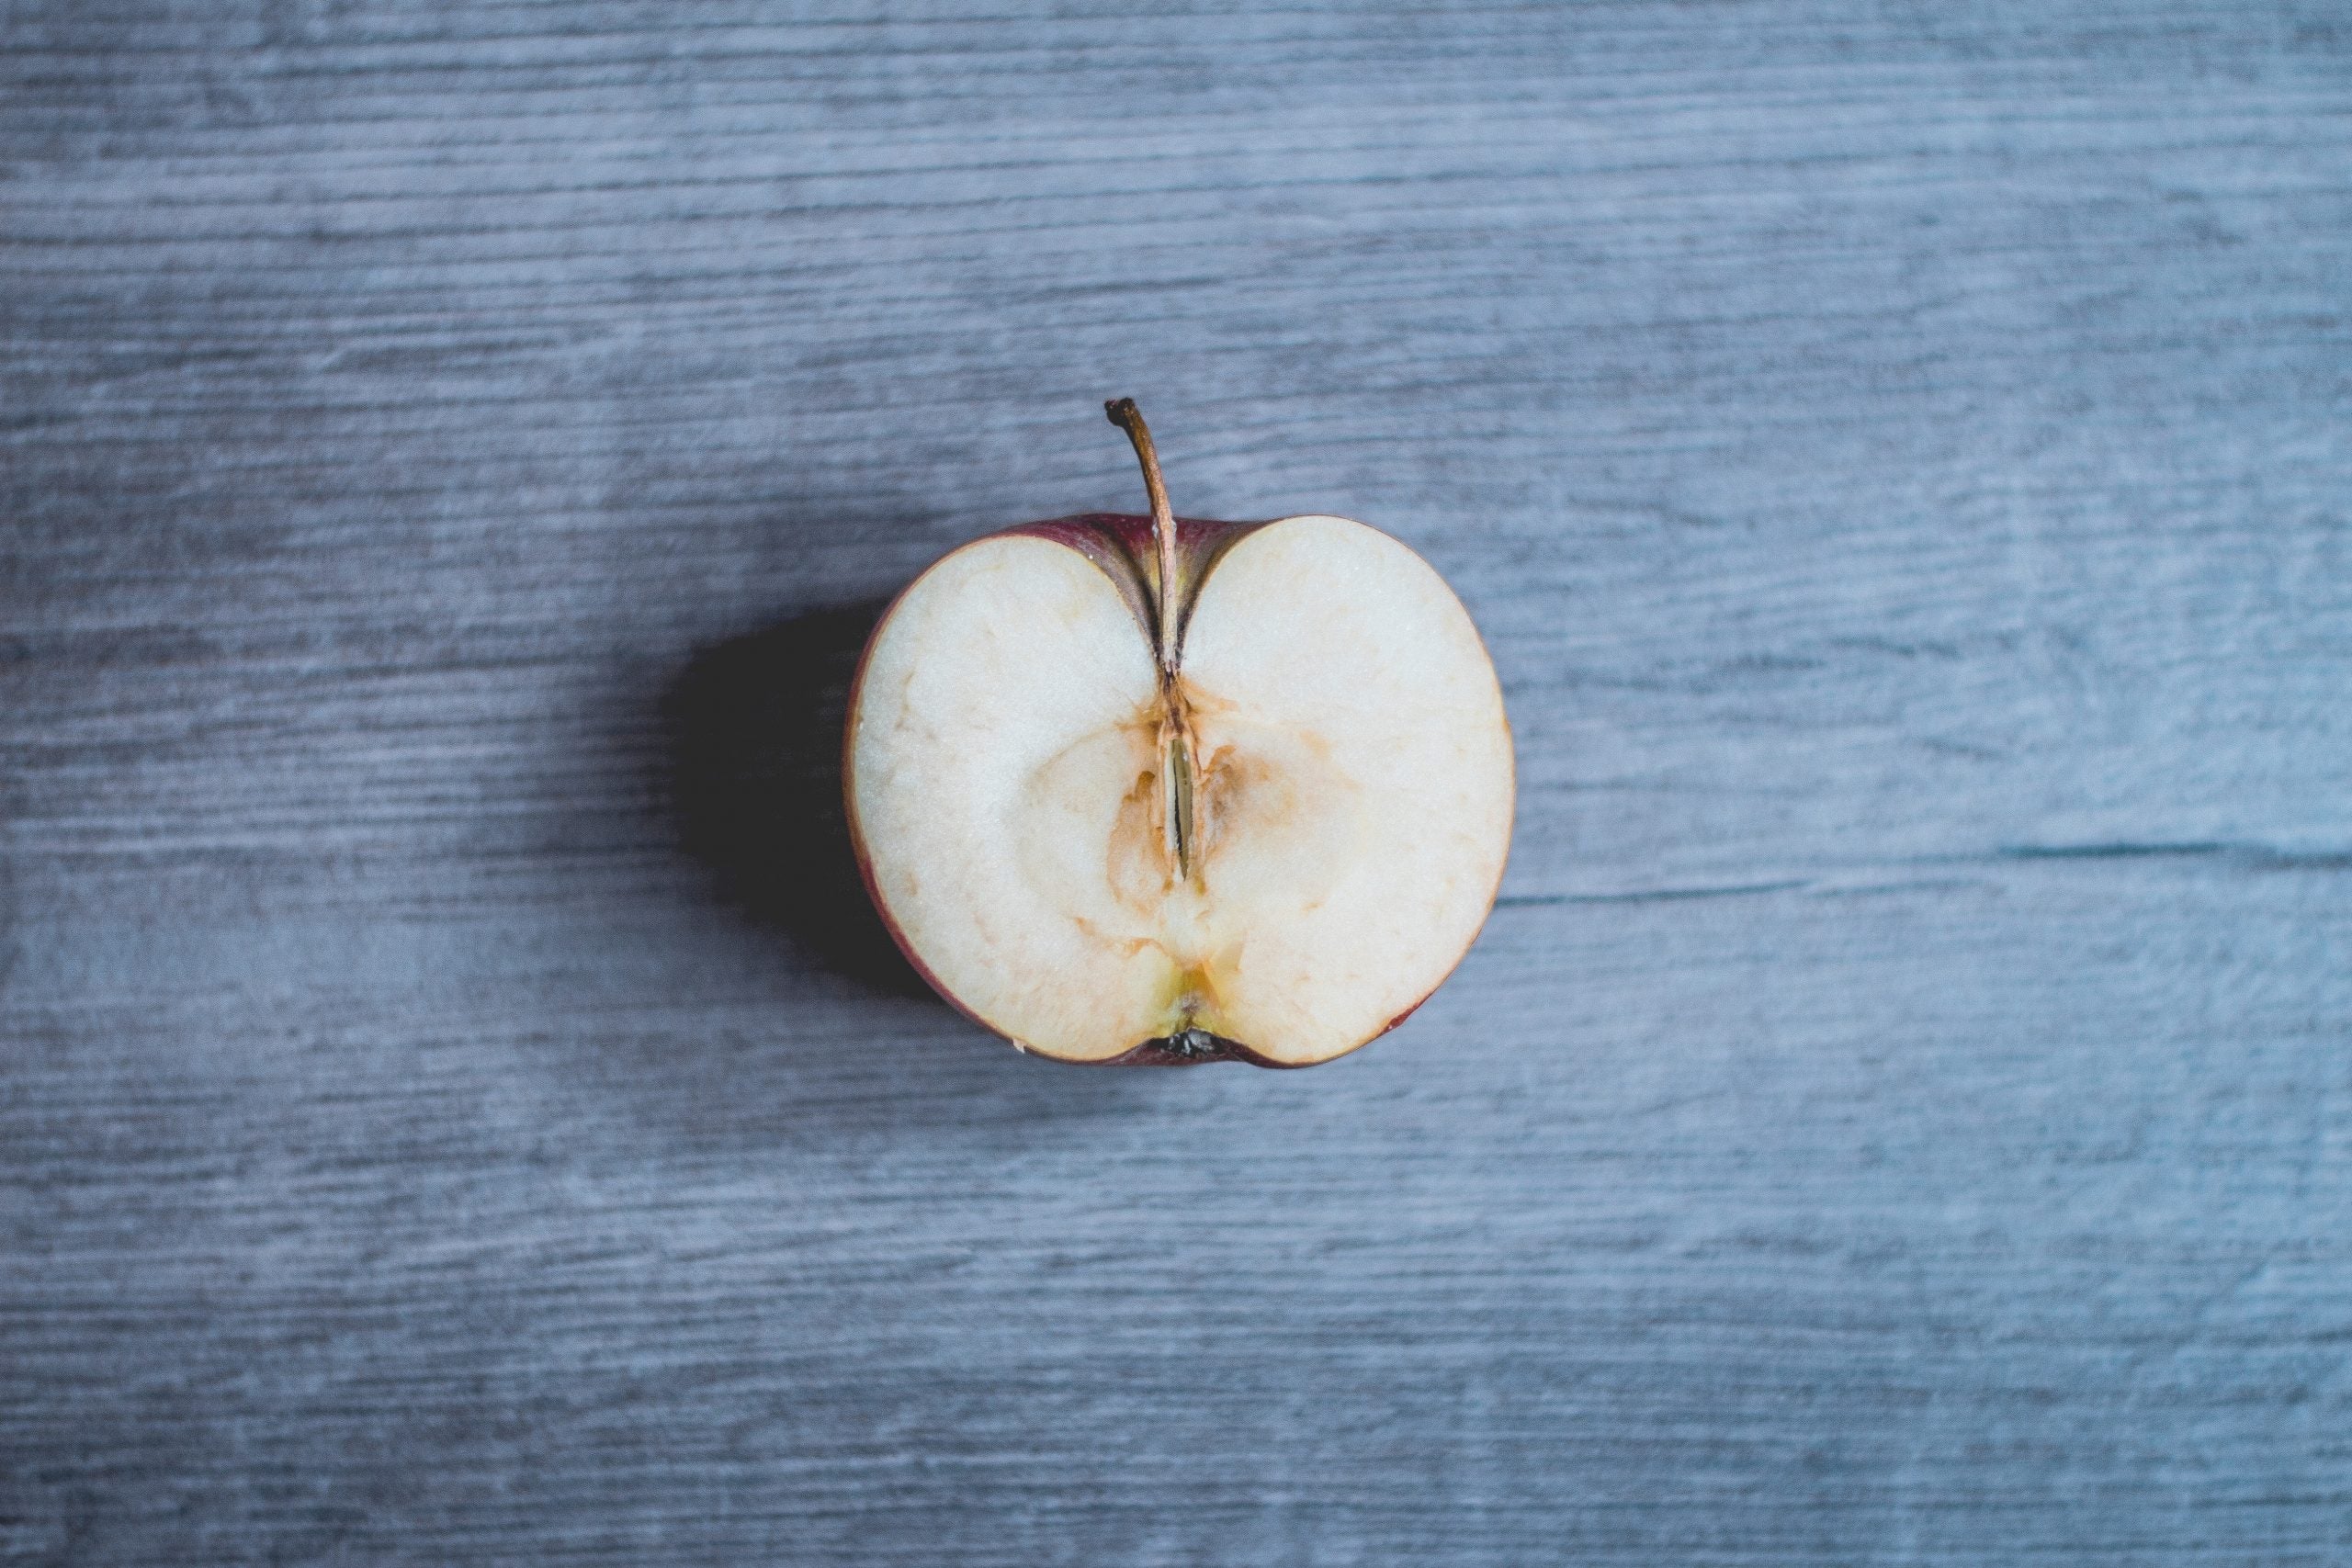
1153,789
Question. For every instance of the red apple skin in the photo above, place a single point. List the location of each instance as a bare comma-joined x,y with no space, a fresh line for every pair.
1103,537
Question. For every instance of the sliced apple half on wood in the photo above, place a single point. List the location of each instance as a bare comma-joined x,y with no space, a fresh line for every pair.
1157,790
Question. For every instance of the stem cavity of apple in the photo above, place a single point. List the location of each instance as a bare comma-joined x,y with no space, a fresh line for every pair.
1176,737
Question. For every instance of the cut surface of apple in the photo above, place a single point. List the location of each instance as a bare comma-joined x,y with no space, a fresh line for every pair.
1263,822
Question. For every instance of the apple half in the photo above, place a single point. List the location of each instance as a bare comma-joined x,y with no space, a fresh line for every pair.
1159,790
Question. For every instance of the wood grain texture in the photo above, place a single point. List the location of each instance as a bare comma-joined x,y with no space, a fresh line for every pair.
1901,1112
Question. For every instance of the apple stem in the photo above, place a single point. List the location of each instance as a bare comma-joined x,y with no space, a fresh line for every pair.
1123,413
1176,739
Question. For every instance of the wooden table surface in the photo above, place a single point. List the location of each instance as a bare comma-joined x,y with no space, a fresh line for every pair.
454,1110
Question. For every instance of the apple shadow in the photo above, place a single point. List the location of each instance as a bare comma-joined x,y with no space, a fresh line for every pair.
751,784
754,727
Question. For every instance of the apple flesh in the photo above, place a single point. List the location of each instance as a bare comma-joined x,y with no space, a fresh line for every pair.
1151,789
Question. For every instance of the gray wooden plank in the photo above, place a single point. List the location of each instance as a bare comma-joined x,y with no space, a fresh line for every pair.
450,1109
